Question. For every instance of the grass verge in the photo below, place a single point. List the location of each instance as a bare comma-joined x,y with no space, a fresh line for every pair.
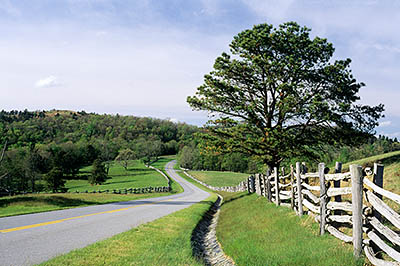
219,179
255,232
33,203
165,241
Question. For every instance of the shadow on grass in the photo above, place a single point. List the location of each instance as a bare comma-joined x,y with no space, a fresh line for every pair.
140,170
235,197
51,200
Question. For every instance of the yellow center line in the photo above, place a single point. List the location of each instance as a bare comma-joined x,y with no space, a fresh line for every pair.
76,217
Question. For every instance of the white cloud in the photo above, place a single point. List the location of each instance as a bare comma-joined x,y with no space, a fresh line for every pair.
48,82
101,33
173,120
385,123
272,9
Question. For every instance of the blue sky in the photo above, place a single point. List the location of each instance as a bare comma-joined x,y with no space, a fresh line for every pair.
145,57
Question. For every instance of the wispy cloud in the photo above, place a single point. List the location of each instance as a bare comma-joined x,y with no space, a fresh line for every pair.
48,82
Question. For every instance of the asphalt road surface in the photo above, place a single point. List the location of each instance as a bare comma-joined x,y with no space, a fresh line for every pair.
35,238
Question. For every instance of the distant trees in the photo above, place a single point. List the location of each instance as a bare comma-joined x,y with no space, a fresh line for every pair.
98,174
54,179
124,157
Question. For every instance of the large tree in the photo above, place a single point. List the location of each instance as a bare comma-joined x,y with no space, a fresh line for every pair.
279,93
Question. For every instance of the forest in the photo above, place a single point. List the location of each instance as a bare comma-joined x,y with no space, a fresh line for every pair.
56,144
39,150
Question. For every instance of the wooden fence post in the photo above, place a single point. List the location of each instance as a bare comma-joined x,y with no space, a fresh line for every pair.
336,184
299,195
269,192
322,197
378,180
378,176
357,199
264,180
292,187
258,184
277,199
338,170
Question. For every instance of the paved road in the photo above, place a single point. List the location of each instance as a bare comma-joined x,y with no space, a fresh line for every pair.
34,238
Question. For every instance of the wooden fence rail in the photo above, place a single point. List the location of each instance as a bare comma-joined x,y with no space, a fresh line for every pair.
358,206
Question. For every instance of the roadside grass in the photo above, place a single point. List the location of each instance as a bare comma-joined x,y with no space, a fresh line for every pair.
165,241
137,175
34,203
219,179
253,231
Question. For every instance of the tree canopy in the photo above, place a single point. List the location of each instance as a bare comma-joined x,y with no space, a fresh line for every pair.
278,93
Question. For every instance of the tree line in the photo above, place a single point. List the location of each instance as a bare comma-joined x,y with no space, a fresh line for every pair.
42,149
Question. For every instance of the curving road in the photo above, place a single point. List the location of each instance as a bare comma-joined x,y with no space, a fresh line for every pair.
34,238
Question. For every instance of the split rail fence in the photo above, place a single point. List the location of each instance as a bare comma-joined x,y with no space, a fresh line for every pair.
348,205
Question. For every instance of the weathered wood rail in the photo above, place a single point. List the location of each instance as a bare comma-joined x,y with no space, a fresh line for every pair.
349,205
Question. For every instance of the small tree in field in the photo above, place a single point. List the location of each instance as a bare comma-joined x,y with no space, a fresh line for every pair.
54,179
124,157
99,174
279,94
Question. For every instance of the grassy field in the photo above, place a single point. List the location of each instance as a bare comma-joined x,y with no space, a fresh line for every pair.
165,241
33,203
219,179
137,175
386,158
255,232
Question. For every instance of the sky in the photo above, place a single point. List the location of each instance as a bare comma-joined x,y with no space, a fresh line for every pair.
145,57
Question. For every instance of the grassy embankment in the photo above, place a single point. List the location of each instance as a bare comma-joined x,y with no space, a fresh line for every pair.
253,231
166,241
219,179
391,173
137,176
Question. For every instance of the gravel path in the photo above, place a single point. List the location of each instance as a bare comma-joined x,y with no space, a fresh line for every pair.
204,239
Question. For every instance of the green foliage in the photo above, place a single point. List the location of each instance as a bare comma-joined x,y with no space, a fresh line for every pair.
191,157
124,157
42,140
22,128
279,93
54,179
98,174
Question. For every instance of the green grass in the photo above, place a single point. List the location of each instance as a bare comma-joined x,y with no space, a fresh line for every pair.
385,158
33,203
253,231
162,161
219,179
165,241
137,175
